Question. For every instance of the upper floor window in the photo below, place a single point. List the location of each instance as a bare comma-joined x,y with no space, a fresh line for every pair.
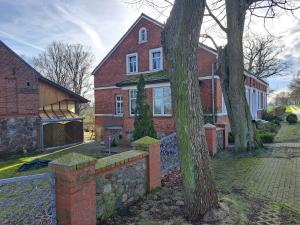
162,105
132,63
119,105
156,59
143,35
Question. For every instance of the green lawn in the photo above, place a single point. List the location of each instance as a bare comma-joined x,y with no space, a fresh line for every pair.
288,133
292,108
10,167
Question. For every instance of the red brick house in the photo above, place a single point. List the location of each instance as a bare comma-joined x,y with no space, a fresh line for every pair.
139,51
34,111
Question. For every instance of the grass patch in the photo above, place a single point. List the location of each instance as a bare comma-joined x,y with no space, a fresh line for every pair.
10,167
270,109
288,133
239,208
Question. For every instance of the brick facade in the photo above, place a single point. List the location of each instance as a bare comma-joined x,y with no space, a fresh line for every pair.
112,70
18,93
24,93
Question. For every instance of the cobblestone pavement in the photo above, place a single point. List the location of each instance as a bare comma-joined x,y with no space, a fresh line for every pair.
276,177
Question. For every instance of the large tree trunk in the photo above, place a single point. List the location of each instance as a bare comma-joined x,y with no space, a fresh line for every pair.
180,42
232,78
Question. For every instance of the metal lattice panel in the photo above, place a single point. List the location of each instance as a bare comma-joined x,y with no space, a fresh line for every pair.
169,155
28,200
220,139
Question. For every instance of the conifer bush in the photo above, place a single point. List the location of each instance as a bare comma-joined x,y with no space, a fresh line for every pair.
143,121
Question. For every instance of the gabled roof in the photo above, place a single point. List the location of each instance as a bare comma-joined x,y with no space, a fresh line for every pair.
46,80
161,25
142,16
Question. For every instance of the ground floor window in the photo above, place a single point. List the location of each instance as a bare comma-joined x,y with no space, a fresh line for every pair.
119,105
224,110
132,101
162,105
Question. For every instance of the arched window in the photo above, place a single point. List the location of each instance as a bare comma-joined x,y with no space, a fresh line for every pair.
142,35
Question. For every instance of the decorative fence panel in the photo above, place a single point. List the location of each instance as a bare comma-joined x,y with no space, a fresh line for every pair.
220,139
28,200
169,155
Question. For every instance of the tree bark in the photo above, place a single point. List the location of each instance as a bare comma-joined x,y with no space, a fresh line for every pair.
232,78
180,42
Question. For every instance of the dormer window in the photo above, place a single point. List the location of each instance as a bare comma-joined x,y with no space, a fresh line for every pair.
143,35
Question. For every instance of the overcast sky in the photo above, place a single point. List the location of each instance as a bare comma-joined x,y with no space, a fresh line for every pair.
28,26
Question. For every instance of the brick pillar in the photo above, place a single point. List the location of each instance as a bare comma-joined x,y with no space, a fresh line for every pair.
211,138
225,127
75,189
151,145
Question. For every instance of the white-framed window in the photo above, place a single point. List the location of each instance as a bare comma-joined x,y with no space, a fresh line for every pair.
119,105
248,95
156,59
132,63
143,36
260,100
162,105
132,101
224,110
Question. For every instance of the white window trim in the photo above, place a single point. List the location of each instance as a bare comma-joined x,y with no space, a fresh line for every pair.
160,115
127,63
129,98
224,110
140,35
161,59
119,114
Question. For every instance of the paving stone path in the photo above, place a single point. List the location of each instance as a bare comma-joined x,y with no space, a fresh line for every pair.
276,177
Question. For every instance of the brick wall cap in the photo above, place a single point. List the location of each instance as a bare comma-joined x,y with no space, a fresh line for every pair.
209,126
145,141
118,159
73,161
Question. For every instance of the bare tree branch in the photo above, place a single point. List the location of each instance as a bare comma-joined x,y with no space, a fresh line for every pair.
66,64
215,18
262,56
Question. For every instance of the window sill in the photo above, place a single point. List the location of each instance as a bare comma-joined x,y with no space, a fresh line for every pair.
155,70
142,42
130,74
119,115
164,116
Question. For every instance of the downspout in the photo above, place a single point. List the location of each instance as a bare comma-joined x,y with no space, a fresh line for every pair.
42,136
213,93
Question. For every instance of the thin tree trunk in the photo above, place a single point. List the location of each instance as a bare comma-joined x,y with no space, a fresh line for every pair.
180,42
232,77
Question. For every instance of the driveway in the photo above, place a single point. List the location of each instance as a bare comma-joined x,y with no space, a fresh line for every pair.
274,175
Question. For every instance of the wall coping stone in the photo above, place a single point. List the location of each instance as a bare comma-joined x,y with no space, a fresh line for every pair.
209,126
119,159
73,161
145,141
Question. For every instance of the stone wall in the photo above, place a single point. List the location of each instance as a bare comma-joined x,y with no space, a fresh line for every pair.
87,188
17,134
120,188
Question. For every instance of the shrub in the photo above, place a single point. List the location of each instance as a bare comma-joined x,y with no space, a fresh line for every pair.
265,136
270,116
292,118
143,122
